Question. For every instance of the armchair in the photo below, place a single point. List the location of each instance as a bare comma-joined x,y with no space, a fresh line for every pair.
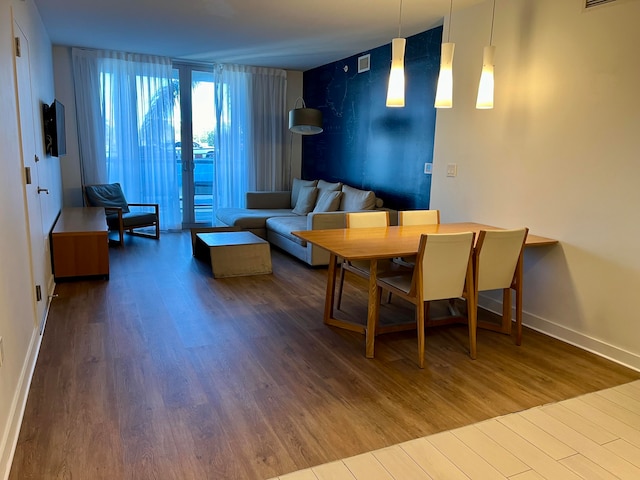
119,217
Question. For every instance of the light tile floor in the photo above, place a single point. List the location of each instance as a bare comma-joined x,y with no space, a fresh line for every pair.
595,436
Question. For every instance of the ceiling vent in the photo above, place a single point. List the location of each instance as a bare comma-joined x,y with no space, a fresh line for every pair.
596,3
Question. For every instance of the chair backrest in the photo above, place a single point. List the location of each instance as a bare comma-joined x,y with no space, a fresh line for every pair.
444,262
106,195
379,218
419,217
496,257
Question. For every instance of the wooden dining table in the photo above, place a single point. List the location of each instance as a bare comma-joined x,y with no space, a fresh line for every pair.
376,243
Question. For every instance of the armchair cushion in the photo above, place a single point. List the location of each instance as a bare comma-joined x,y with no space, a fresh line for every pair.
108,195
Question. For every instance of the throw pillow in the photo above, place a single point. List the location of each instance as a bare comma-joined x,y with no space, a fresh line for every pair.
106,195
355,199
328,187
327,201
306,200
297,185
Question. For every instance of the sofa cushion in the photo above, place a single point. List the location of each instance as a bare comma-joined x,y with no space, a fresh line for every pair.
328,187
285,225
249,218
306,200
355,199
297,185
328,201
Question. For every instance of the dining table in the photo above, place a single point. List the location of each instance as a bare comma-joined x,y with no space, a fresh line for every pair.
377,243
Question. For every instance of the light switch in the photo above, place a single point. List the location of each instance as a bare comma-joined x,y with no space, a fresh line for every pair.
452,170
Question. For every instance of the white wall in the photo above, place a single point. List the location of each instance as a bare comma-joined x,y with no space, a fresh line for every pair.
559,153
17,312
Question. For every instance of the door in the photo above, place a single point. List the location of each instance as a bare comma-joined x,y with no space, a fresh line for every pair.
30,160
195,144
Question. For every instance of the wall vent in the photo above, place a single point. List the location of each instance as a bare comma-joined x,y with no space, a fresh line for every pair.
364,63
596,3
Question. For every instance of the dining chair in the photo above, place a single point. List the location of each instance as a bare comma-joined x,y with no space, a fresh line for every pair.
497,264
443,270
419,217
416,217
361,267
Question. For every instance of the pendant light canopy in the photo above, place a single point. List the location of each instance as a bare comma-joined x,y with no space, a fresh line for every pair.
486,86
305,121
395,90
444,90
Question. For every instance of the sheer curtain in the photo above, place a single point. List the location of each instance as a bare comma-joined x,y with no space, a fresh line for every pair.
124,107
250,104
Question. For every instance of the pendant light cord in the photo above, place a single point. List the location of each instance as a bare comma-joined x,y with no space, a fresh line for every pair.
400,21
450,13
493,16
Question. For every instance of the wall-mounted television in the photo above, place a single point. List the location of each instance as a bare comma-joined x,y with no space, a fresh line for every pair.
54,132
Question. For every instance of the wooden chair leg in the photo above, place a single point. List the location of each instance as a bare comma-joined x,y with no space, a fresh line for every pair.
518,316
340,285
420,314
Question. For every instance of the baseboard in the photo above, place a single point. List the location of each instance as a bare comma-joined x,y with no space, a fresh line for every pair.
568,335
10,440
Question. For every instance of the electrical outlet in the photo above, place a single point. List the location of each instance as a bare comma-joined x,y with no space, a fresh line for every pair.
1,352
452,170
428,168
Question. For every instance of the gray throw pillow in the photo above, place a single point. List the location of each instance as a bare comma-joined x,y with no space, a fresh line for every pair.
354,199
306,200
297,185
327,201
106,195
328,187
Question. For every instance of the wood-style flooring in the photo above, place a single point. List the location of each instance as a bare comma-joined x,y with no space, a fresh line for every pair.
163,372
594,436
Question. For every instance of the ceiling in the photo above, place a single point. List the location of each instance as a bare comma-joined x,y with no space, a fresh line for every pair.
278,33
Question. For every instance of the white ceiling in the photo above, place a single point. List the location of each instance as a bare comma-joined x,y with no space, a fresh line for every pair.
290,34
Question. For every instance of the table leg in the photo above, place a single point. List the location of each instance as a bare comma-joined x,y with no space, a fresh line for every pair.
372,311
331,287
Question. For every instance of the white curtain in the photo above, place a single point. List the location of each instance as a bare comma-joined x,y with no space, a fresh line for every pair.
124,106
250,104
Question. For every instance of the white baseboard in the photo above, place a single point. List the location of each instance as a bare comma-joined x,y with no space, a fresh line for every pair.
568,335
10,440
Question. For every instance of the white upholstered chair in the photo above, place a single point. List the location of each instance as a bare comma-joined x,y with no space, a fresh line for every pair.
419,217
378,218
416,217
443,271
497,265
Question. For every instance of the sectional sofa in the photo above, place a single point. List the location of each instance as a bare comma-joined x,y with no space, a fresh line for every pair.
310,205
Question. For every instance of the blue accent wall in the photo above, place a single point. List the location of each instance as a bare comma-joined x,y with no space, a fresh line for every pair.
364,143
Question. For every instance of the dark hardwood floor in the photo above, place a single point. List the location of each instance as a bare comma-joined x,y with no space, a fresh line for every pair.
163,372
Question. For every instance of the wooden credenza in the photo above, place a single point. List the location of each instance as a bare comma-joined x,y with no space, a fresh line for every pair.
80,243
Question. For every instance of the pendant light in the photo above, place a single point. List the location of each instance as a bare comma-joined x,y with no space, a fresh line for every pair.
486,86
395,90
444,90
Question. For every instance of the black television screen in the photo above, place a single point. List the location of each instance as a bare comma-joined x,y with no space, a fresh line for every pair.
54,132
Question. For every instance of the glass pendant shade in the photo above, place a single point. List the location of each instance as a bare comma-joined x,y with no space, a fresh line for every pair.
485,89
444,90
395,91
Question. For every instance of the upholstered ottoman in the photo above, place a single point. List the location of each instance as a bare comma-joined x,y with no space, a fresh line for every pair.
234,254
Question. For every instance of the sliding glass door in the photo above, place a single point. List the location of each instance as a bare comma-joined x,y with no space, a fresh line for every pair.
195,143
